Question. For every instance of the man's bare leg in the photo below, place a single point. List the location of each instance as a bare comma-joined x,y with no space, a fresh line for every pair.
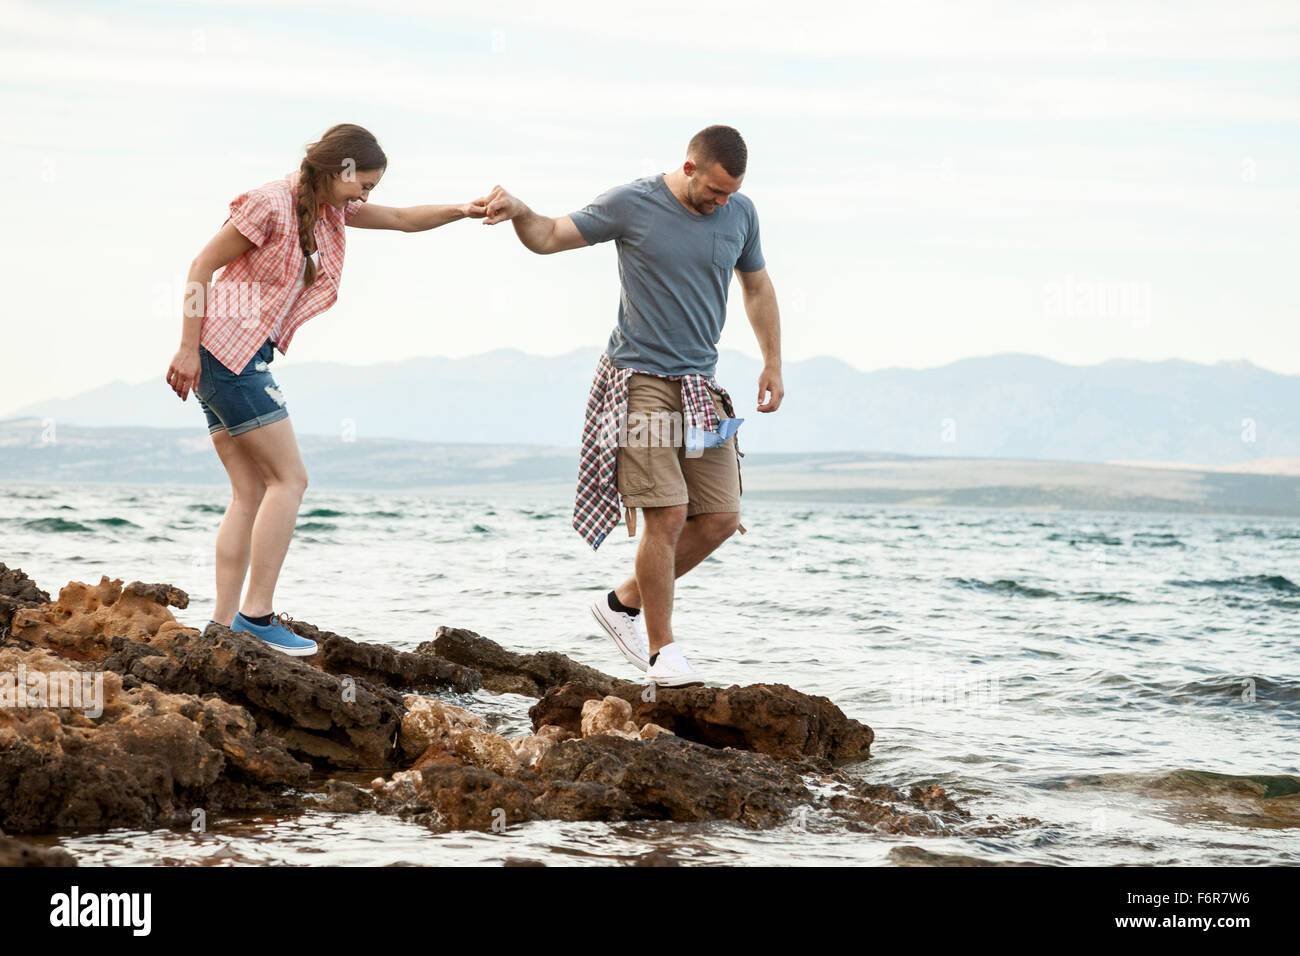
655,571
702,535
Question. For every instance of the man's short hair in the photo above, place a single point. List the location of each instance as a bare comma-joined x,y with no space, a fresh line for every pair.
719,144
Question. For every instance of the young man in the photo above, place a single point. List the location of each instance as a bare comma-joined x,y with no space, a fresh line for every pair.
680,236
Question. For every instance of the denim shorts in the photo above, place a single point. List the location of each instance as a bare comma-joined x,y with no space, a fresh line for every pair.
239,403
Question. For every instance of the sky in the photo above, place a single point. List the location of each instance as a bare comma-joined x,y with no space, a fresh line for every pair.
934,181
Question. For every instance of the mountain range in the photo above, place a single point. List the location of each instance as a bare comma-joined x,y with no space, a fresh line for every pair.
999,406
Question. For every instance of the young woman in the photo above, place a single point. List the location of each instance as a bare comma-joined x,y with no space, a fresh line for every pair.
281,256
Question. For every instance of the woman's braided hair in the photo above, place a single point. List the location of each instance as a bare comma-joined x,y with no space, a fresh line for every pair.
345,148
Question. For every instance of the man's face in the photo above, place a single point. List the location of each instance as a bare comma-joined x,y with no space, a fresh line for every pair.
709,186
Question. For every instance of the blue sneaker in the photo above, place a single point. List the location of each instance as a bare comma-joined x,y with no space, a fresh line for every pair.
276,635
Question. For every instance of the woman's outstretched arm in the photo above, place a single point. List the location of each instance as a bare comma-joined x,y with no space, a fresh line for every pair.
415,218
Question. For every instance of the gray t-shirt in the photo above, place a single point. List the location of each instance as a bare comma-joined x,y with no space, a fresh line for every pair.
674,269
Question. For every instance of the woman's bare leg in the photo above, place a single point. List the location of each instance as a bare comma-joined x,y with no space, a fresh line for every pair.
273,449
234,537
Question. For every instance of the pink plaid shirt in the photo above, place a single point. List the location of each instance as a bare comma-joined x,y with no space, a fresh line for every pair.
258,292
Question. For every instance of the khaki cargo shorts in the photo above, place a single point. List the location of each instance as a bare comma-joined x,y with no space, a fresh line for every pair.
654,470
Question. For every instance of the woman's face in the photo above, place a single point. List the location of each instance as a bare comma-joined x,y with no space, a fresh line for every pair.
348,185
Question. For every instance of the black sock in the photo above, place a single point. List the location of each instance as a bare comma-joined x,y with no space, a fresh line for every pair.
262,621
616,605
654,657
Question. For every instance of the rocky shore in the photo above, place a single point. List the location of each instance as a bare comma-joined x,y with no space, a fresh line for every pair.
175,722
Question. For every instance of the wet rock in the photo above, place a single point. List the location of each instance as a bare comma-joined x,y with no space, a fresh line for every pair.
150,758
386,666
505,672
429,721
771,719
657,858
344,723
530,749
671,778
573,800
17,853
339,796
456,798
436,755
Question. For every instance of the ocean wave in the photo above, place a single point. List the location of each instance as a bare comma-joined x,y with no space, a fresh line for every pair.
1197,782
323,513
316,526
115,522
1237,690
1102,597
1004,586
56,526
208,509
1258,582
1085,537
1152,540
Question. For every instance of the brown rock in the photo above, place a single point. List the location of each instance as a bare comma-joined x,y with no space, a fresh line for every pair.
675,779
768,718
568,800
149,759
82,623
429,721
610,715
505,672
383,665
346,723
456,798
17,853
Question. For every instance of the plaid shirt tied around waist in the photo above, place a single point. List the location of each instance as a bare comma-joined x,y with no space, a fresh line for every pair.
597,504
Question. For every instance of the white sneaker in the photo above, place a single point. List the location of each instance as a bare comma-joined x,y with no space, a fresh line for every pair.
672,669
624,631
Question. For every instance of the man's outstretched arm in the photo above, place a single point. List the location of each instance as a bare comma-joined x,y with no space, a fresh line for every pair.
765,317
540,234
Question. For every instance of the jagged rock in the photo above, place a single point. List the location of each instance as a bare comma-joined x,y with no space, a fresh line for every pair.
384,665
571,801
17,591
657,858
609,715
505,672
768,718
429,721
83,622
346,722
18,586
529,749
436,755
149,759
17,853
456,798
671,778
340,796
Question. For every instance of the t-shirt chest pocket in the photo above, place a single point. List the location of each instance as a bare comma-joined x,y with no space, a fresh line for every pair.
726,250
